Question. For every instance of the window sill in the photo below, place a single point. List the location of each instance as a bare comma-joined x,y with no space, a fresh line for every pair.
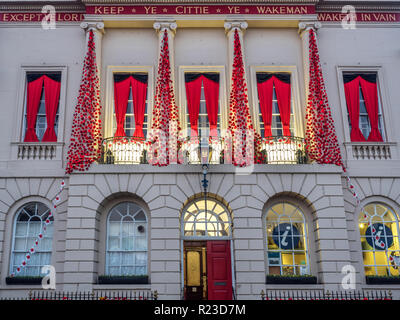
372,280
278,280
105,280
24,280
369,150
37,150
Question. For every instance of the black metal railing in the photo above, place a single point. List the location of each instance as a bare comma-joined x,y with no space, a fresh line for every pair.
80,295
275,150
123,150
325,295
284,150
95,295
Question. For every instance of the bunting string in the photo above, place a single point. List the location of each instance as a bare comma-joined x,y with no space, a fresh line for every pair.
49,220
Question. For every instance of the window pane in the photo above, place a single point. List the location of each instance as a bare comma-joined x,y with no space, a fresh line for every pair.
30,220
378,228
286,240
123,236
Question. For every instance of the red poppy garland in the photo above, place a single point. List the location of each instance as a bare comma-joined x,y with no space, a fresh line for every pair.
321,141
246,146
165,127
85,142
40,236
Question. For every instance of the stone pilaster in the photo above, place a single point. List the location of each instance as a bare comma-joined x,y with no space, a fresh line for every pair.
230,27
98,30
170,26
304,28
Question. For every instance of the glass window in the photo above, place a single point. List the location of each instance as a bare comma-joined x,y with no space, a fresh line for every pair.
206,219
287,243
364,122
28,224
129,125
203,124
41,122
379,233
126,240
276,124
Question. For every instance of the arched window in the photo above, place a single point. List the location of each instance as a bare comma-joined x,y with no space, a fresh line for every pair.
126,252
287,243
206,219
379,233
28,224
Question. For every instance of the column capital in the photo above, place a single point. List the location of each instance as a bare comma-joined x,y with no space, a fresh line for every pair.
97,26
162,25
307,25
231,25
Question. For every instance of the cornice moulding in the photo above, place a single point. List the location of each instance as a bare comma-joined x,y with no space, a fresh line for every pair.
105,2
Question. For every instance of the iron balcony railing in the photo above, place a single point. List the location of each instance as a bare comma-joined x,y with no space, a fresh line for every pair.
325,295
275,150
81,295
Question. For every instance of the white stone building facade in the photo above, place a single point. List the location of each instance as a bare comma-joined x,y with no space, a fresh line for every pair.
31,172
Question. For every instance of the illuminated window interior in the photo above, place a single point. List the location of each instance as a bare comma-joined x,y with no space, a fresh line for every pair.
287,248
206,219
379,233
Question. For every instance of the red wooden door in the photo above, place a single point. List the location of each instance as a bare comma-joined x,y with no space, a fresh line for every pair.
219,273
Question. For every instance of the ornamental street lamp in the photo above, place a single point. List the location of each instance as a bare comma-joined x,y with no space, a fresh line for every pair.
205,155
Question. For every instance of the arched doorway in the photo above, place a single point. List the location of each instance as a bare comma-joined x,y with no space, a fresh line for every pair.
207,256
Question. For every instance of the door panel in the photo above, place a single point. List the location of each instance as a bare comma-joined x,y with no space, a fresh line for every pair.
219,278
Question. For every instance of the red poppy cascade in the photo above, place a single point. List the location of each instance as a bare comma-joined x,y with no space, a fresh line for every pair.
246,148
165,128
321,141
85,142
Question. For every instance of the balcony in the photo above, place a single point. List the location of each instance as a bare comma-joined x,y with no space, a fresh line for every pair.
275,150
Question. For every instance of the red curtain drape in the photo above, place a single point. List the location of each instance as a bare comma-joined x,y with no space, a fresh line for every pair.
211,93
282,90
52,98
121,96
139,91
370,93
34,92
265,94
352,92
193,92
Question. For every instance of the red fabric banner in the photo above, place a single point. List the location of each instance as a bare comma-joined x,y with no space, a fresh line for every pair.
370,92
34,92
52,99
265,95
121,96
352,92
211,92
139,92
282,90
193,92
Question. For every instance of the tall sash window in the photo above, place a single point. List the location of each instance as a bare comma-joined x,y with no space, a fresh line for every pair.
202,94
130,101
362,100
275,107
42,102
